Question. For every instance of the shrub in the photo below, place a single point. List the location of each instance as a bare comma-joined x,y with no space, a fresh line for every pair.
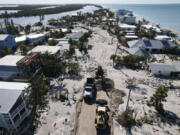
130,61
74,69
126,118
52,42
159,97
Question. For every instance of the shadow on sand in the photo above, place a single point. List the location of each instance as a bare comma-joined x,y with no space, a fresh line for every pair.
170,118
107,131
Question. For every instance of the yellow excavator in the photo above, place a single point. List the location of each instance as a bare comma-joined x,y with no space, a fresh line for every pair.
101,120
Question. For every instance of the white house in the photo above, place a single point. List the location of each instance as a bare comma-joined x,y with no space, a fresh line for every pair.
31,38
165,69
8,66
127,27
155,28
163,37
50,49
13,108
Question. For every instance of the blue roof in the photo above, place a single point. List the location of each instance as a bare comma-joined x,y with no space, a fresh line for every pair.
3,37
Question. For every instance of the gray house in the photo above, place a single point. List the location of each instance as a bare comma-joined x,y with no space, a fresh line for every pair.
165,69
8,66
139,52
150,45
13,108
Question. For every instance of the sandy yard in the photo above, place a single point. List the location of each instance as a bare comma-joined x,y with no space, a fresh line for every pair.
59,120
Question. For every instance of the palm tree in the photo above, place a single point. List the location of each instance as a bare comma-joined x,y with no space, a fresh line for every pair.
131,85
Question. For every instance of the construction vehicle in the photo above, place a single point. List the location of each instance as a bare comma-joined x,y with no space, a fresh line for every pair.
101,120
89,92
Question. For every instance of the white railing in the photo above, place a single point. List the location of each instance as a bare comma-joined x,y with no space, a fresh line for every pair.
18,109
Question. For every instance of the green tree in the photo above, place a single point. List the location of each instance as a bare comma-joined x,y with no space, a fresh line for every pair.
27,29
52,42
37,92
159,97
24,49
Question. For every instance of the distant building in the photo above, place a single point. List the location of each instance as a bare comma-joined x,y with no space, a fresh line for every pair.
165,69
31,38
122,12
8,40
13,108
8,66
155,28
127,27
75,36
163,37
128,19
3,27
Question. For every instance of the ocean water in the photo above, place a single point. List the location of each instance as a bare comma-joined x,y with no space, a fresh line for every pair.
167,15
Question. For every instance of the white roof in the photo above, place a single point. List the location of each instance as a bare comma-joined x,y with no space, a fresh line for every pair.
153,27
127,26
13,85
35,35
64,30
10,60
131,36
20,39
9,93
24,37
161,37
44,48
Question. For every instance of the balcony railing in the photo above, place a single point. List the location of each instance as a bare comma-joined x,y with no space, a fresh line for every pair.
18,109
23,116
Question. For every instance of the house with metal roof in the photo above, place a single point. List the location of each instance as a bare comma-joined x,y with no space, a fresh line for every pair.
139,52
8,66
165,69
13,108
31,38
6,39
151,45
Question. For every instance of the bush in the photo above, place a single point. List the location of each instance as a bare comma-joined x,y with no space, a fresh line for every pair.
6,50
130,61
38,43
24,49
74,69
157,99
52,42
126,118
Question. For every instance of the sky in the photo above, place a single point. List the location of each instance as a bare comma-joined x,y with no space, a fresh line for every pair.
88,1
